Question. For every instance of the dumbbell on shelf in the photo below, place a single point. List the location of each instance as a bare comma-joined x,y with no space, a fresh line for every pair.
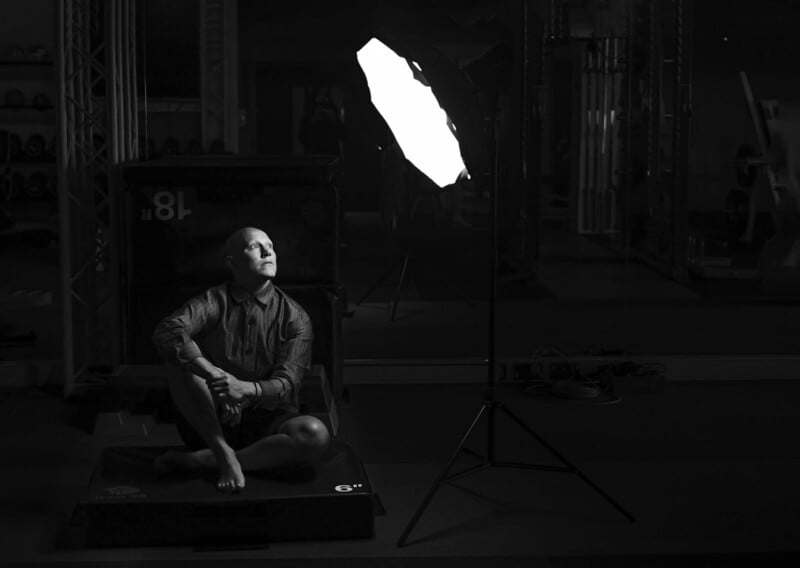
42,101
14,98
15,53
38,53
171,146
35,146
10,146
17,186
37,186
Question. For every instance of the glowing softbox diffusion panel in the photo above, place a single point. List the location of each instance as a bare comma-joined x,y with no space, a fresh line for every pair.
418,122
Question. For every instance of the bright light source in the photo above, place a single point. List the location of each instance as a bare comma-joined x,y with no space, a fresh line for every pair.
412,112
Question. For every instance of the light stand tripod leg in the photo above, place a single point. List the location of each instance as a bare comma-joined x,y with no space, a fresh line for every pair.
442,475
400,283
572,467
377,284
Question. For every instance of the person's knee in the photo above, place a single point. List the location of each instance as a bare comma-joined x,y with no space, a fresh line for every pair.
311,434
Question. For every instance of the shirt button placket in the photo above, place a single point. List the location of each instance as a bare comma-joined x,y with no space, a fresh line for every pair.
251,334
246,334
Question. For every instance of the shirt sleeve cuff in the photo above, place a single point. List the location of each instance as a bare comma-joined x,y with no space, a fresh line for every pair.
274,392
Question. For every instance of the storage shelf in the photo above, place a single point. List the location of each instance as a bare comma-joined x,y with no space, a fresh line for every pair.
17,163
27,115
25,63
27,107
27,71
169,105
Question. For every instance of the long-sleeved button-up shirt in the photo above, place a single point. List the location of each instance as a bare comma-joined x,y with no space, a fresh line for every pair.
265,338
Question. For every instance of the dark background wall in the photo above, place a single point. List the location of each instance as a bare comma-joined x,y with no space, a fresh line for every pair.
759,38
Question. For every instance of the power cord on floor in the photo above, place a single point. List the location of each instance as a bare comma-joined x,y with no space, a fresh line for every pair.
561,377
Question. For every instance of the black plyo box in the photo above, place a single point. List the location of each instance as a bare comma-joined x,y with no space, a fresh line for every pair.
177,215
126,504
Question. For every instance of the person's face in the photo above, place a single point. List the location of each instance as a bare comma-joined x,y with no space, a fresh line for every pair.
255,256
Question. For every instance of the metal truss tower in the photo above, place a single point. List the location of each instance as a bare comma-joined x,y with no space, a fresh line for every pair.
219,99
97,130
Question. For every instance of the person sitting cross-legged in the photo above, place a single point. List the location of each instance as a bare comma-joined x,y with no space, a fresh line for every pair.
237,355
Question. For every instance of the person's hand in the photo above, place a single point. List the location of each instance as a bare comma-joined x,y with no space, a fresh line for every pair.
228,388
231,414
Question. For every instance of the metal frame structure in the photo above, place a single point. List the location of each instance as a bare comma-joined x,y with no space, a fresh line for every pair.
599,152
97,129
218,74
670,104
659,157
681,132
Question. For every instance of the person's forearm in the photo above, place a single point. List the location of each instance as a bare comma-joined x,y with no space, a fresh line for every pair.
202,367
207,371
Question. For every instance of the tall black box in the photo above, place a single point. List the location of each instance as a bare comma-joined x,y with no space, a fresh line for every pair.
176,216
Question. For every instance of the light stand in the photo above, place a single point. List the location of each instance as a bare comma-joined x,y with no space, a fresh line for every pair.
490,405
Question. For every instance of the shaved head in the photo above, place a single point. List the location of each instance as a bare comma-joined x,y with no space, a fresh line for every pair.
250,256
239,238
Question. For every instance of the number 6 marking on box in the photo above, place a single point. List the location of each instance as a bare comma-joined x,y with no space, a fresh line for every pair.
347,488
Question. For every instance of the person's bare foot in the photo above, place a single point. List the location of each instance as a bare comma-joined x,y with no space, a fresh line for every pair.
231,478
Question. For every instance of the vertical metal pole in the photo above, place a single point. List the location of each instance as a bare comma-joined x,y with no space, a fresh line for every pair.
113,64
64,154
92,119
491,128
231,76
131,91
616,141
681,116
219,99
583,133
533,44
605,139
489,397
628,110
93,128
525,138
654,90
123,100
591,147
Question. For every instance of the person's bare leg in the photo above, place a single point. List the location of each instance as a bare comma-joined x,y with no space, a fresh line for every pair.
299,441
195,403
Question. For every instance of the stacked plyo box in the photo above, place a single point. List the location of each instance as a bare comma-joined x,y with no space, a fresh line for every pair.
175,217
317,398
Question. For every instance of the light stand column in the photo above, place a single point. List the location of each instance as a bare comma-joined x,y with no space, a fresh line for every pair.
490,405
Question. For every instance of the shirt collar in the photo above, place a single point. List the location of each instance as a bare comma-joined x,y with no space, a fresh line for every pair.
240,295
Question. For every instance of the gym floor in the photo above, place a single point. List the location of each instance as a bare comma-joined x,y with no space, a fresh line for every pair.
708,469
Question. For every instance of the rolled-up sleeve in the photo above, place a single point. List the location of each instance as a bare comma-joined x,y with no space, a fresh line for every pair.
174,335
282,388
